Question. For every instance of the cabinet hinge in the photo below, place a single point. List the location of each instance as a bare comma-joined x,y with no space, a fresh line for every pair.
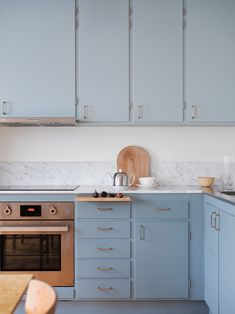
130,105
76,100
190,236
189,283
130,11
76,19
184,24
130,24
184,11
184,105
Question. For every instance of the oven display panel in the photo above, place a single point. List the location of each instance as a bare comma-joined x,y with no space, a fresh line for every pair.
30,210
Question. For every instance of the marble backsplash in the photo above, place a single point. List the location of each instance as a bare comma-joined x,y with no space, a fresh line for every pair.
100,173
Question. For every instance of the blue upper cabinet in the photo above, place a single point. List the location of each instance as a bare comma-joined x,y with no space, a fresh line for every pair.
37,58
157,61
103,61
210,64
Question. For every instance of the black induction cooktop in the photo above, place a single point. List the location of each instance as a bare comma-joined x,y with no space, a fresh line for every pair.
38,187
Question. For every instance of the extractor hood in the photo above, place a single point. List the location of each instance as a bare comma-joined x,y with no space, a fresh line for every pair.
38,121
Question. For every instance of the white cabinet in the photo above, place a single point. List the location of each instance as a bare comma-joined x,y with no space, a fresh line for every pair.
37,58
157,61
103,61
210,62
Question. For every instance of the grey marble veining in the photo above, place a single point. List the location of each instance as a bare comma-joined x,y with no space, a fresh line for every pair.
99,173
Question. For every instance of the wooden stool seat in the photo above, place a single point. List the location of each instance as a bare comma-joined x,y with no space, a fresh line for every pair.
40,298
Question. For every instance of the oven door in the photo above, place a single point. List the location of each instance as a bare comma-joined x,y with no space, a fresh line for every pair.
42,248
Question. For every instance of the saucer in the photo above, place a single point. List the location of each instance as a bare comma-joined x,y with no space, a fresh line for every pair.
120,187
145,186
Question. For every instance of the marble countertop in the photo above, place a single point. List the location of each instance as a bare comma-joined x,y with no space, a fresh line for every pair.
133,190
89,189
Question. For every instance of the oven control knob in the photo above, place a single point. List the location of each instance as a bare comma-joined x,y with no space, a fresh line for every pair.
7,211
53,210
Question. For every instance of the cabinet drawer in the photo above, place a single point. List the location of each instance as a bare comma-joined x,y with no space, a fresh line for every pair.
161,209
104,229
103,210
103,289
114,248
103,268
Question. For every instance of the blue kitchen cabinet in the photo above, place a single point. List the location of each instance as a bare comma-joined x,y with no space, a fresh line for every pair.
103,61
157,61
210,63
226,262
161,241
211,265
103,248
219,256
37,59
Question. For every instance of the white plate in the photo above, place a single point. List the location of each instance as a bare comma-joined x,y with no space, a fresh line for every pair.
145,186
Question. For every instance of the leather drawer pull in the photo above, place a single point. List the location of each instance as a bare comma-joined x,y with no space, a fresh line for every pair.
104,248
104,288
104,228
104,268
104,208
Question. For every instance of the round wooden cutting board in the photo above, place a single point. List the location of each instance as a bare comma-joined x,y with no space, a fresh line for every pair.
134,159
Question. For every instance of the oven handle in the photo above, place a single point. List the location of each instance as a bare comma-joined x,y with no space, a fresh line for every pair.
33,229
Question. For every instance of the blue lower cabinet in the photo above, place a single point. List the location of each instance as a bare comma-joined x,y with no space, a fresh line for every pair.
103,289
226,263
161,259
211,265
103,248
104,229
65,293
104,268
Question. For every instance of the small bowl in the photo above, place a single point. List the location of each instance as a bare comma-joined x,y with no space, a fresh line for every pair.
206,181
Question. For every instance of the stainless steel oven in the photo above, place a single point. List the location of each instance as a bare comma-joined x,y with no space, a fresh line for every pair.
38,238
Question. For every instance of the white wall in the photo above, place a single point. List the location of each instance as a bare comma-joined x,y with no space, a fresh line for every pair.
104,143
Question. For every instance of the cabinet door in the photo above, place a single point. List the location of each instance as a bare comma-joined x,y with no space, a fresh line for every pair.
37,58
157,66
103,61
211,258
161,259
210,92
226,263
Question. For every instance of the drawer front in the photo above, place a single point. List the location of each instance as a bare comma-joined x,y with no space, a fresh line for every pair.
103,268
103,229
161,209
103,210
112,248
103,289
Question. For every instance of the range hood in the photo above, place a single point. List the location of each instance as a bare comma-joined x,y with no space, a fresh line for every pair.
38,121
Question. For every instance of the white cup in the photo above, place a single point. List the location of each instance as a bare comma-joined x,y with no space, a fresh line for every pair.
148,180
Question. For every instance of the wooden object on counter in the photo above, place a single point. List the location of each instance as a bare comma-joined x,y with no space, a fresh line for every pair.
134,159
12,288
103,199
